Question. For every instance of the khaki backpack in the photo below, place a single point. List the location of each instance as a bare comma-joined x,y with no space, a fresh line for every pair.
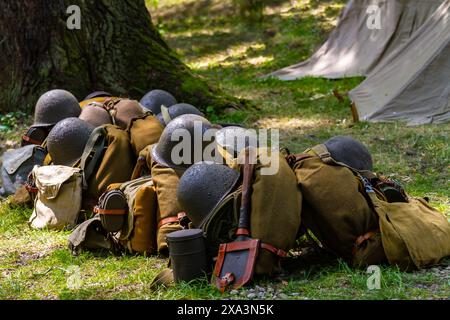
144,131
336,210
353,219
139,232
275,214
414,234
169,212
107,158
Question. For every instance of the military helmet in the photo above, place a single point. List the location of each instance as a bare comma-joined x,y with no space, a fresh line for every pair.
98,94
230,141
95,115
54,106
67,139
202,187
350,152
167,114
188,126
155,99
125,111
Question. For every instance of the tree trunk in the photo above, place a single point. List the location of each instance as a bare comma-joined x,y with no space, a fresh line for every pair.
117,49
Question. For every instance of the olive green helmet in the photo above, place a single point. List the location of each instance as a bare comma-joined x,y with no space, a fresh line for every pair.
154,99
170,113
202,187
95,115
350,152
66,141
182,131
54,106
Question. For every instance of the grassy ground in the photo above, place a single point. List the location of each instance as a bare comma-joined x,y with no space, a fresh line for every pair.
213,41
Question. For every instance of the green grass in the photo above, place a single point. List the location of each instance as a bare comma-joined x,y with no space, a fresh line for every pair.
37,265
211,39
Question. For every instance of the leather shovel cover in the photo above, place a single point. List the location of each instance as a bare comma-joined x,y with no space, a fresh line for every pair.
235,264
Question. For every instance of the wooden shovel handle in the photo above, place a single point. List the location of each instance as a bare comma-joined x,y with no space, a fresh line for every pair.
244,217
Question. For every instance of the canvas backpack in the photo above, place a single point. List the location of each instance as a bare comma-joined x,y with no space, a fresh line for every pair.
107,159
138,234
58,201
17,165
335,208
275,214
168,213
414,234
407,232
144,131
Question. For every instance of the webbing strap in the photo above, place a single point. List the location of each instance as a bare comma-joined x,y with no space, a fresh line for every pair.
322,152
229,159
165,114
92,153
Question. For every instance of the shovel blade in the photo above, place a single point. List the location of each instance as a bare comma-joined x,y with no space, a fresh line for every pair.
235,264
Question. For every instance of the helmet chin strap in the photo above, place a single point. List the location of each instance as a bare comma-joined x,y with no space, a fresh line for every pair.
165,114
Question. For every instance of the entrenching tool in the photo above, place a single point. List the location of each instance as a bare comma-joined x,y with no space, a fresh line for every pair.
236,260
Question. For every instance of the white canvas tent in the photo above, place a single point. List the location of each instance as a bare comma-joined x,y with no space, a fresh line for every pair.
413,83
356,46
407,62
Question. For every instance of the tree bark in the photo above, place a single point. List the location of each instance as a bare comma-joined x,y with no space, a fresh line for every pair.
117,49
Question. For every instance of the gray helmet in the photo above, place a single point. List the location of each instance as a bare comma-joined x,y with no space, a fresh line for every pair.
95,115
202,187
54,106
168,114
98,94
192,126
350,152
155,99
66,141
230,141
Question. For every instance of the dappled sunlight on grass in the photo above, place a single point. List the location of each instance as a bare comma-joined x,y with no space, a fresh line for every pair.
211,31
231,56
300,124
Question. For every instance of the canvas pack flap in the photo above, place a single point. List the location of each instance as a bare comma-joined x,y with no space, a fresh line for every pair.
49,179
13,160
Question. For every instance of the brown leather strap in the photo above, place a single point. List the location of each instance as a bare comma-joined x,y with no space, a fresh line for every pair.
364,238
30,140
276,251
109,212
31,189
361,239
242,232
171,219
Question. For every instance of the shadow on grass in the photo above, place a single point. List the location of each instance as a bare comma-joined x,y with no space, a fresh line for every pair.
207,29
